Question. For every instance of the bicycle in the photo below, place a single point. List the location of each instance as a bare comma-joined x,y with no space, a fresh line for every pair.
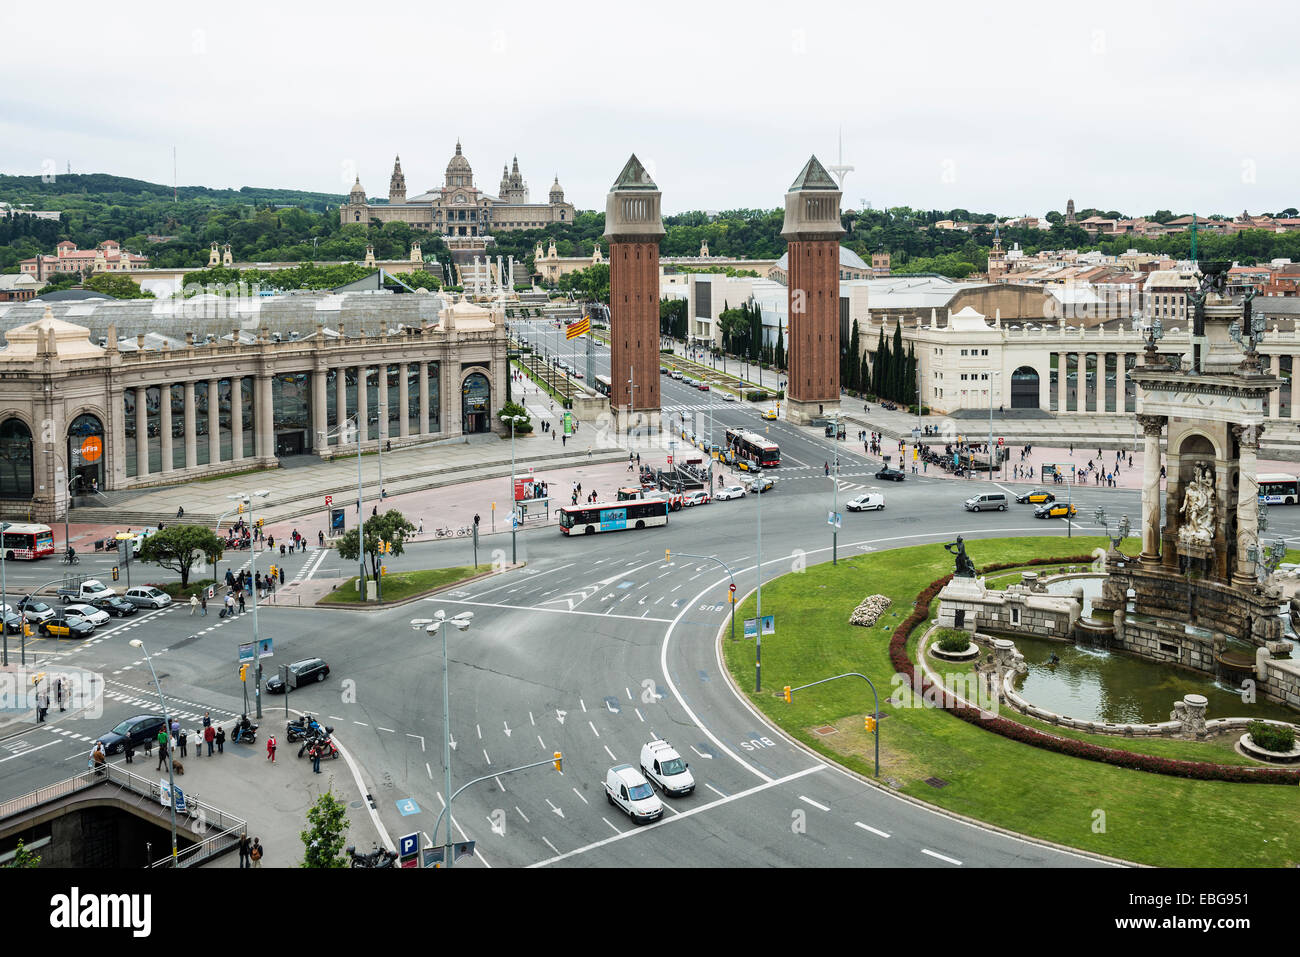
463,532
71,559
443,533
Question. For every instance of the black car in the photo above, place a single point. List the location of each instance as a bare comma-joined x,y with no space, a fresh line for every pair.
891,475
300,673
67,627
136,730
115,605
13,621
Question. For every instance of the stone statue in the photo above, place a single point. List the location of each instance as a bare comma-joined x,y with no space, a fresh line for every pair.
1198,508
965,567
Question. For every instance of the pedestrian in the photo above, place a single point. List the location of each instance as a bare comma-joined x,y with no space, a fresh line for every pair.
58,692
282,549
421,527
281,574
42,706
255,853
230,578
241,602
129,750
245,845
270,749
564,440
203,605
180,741
98,757
194,603
148,747
162,750
221,740
176,730
315,759
270,542
210,737
320,538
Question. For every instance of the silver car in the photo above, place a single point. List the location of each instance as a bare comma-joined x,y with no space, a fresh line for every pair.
146,596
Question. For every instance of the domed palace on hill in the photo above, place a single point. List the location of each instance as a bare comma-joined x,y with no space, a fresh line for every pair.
459,208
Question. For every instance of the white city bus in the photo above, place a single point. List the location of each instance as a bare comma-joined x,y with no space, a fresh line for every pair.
612,516
1278,488
27,541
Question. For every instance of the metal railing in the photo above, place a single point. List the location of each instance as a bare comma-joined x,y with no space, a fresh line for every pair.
199,814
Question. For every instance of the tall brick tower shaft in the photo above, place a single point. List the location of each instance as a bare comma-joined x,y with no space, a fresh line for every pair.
812,228
633,227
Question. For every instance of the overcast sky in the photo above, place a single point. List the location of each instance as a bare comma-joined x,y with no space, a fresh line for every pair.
1000,107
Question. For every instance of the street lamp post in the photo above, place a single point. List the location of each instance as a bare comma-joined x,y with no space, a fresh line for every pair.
4,594
758,635
433,626
252,560
167,722
835,495
514,506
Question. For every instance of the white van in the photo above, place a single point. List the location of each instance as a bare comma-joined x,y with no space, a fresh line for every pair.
872,501
987,502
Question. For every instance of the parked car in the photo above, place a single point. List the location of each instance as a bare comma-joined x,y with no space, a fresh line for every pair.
986,502
871,502
13,620
626,788
1038,496
146,596
676,374
300,673
730,492
769,414
891,475
135,730
35,611
663,370
1055,510
67,628
726,397
704,387
662,765
698,497
87,613
115,605
85,591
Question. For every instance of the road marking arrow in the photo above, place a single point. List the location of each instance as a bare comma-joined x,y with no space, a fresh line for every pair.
559,715
555,809
452,742
507,724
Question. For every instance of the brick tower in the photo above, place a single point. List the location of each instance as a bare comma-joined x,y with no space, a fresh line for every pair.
812,228
634,228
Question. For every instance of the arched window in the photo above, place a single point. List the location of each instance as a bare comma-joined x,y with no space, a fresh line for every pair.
16,475
86,454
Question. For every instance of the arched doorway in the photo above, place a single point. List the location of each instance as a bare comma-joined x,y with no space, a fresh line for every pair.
16,474
476,403
86,454
1024,388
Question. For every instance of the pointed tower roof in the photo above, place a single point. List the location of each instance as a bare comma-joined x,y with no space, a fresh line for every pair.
634,176
813,176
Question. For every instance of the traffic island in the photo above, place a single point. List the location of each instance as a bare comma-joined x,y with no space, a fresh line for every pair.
929,754
402,587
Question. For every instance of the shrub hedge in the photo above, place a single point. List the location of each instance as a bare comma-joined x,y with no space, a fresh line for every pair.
1271,737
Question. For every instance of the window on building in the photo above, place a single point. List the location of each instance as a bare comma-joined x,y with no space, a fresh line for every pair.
16,460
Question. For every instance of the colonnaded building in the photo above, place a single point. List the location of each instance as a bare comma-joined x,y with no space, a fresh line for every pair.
458,207
102,395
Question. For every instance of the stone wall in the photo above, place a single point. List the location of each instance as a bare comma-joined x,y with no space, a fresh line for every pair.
1019,610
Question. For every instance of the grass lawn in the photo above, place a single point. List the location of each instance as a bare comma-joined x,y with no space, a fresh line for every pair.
400,585
1135,815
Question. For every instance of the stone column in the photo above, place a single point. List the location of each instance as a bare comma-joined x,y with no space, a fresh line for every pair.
381,410
1121,380
363,403
1295,385
214,422
340,402
320,420
265,413
424,397
191,447
236,418
1083,383
165,425
403,400
1062,377
141,432
1151,427
1273,366
1247,437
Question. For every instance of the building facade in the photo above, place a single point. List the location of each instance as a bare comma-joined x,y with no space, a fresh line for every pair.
108,256
100,415
458,208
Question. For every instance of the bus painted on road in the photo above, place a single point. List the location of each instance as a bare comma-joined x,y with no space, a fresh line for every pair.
751,445
1278,488
27,541
612,516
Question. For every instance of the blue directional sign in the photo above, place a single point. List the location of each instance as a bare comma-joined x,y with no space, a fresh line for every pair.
408,845
407,806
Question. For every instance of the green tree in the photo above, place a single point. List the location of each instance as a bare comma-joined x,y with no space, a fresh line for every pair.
853,366
391,528
897,361
116,285
24,857
515,408
180,547
323,841
780,348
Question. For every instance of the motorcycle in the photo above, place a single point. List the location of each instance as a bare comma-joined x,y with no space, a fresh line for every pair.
245,731
321,741
302,727
379,857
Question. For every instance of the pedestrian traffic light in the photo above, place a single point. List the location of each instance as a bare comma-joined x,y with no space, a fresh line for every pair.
559,761
869,723
786,694
114,573
243,672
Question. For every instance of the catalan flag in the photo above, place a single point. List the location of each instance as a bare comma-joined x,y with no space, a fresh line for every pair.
578,328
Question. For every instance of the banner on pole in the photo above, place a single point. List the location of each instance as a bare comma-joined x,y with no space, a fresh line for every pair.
580,327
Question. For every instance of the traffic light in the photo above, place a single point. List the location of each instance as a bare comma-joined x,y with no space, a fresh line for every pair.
786,694
559,761
869,723
243,672
383,570
241,508
260,521
114,573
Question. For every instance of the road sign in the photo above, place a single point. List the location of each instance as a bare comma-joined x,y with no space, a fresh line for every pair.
408,850
246,652
407,806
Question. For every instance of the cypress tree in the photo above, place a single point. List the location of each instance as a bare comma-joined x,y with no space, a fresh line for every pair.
899,360
854,362
879,361
780,348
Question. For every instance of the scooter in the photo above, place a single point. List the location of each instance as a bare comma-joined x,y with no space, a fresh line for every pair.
245,731
321,740
303,727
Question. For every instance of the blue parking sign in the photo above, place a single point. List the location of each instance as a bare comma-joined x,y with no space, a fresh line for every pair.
408,845
407,806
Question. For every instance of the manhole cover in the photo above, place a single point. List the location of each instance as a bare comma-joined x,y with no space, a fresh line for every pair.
936,782
825,729
356,804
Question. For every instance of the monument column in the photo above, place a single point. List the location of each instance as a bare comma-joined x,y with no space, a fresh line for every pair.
424,397
812,230
633,227
165,425
363,403
191,447
403,399
236,418
381,406
1151,427
1247,437
141,432
320,420
214,422
340,403
265,416
1062,377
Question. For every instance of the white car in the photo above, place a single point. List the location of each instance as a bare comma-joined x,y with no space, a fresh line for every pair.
730,491
726,396
626,788
696,498
86,612
871,502
146,596
662,765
